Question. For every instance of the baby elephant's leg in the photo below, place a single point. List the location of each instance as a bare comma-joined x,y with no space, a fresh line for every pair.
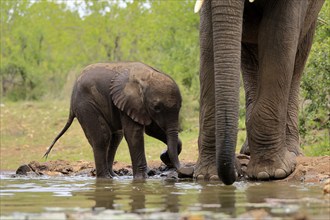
98,134
116,138
133,133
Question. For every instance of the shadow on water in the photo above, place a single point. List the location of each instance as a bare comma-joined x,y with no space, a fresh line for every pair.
74,194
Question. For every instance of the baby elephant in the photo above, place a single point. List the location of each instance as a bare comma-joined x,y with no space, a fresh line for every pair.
112,100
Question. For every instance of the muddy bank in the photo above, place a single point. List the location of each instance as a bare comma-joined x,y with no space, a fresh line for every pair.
308,169
87,168
311,169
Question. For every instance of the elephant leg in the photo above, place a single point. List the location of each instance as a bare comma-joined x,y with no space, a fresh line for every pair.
250,67
133,133
98,134
277,46
153,130
205,167
116,138
292,130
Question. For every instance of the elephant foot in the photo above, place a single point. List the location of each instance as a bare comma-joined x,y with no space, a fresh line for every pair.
103,174
294,146
140,176
206,170
112,173
271,167
245,148
166,159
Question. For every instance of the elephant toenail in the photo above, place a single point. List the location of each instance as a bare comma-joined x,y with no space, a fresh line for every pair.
280,174
214,178
263,176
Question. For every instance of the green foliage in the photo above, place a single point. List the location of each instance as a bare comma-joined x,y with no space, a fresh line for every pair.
45,44
42,41
315,108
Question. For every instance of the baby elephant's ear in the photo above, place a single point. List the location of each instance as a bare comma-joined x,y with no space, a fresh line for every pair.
127,95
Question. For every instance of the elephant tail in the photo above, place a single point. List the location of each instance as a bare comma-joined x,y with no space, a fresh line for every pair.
68,124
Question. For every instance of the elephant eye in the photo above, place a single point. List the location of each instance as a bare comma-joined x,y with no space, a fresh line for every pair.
157,108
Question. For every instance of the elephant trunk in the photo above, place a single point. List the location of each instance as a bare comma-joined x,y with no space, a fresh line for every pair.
172,146
227,18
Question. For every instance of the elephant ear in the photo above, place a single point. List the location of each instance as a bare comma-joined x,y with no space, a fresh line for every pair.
127,95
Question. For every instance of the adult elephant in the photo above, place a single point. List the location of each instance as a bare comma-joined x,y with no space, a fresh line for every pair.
269,40
112,100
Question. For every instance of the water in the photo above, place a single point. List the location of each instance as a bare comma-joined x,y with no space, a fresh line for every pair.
88,195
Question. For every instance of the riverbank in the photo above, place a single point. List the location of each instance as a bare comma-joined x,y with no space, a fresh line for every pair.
308,169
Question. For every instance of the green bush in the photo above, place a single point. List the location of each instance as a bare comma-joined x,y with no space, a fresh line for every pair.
45,43
315,107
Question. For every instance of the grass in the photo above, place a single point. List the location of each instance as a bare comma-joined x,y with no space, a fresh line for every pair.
28,128
317,143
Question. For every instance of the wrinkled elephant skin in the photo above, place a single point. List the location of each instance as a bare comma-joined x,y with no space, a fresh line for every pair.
268,41
112,100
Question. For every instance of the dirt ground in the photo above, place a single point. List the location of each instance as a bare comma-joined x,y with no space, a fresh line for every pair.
308,169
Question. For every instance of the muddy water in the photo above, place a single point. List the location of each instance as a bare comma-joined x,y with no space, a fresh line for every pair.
25,196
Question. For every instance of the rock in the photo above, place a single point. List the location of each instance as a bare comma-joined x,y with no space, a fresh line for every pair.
241,163
326,188
152,172
56,168
86,172
170,174
23,170
186,172
124,172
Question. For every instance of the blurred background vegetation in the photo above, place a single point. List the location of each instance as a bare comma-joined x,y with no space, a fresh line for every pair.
45,44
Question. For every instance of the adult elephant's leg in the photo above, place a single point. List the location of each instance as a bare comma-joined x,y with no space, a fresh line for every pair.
98,134
250,80
206,164
116,138
292,130
133,133
277,45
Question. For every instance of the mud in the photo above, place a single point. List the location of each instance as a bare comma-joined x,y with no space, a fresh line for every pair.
308,169
86,168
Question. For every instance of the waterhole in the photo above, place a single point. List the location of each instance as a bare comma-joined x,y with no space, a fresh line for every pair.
76,197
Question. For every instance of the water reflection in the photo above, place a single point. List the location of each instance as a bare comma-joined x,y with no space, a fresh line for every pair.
159,195
136,196
218,198
168,196
259,193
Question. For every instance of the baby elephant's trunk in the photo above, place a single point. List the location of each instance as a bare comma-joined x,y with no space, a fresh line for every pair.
172,146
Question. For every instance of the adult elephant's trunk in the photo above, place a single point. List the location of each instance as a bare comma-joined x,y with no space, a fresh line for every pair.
172,146
227,16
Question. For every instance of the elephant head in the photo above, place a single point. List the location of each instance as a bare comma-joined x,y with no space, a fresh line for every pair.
148,96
